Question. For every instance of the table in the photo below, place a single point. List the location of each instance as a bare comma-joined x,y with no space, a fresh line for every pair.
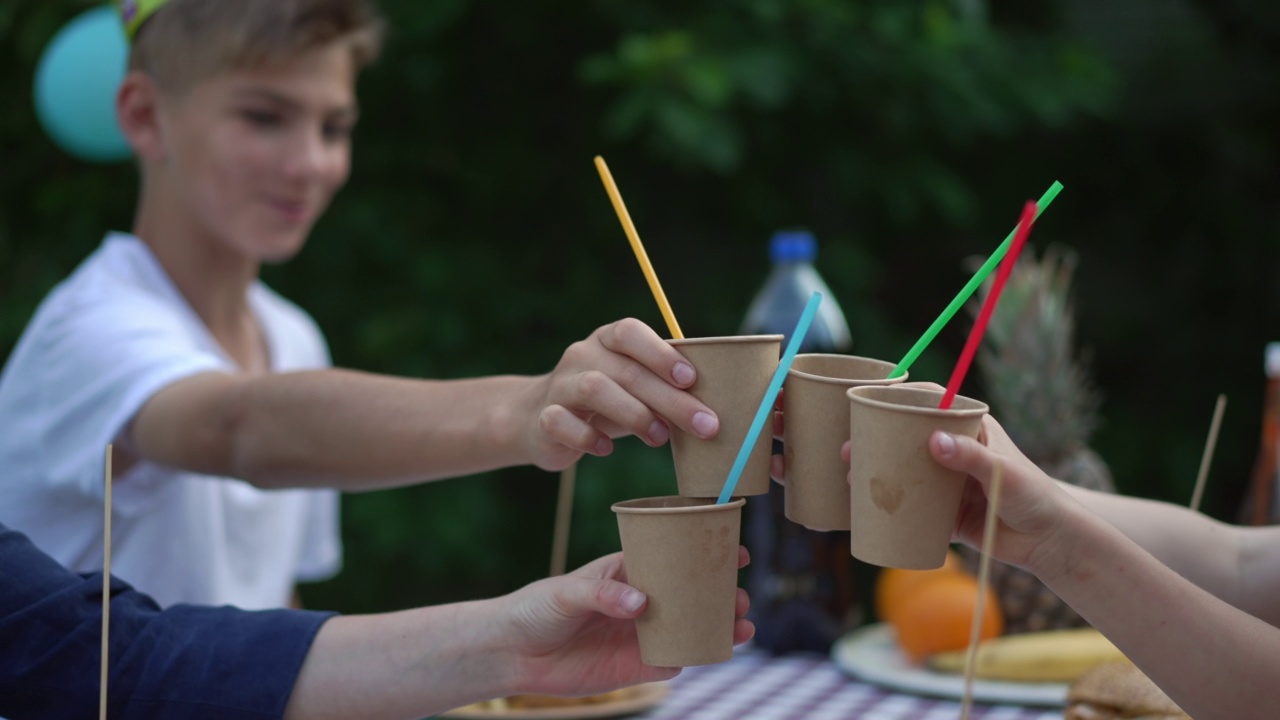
757,686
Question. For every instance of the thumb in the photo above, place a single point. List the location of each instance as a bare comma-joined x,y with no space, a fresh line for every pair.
963,453
582,596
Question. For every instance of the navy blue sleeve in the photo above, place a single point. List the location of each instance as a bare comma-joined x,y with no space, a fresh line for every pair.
188,662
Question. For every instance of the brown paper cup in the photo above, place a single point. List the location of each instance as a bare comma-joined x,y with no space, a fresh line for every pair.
816,413
733,375
903,504
683,553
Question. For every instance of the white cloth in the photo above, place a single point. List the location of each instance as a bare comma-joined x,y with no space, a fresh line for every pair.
99,346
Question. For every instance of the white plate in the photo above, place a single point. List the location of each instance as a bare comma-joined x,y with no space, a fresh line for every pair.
871,653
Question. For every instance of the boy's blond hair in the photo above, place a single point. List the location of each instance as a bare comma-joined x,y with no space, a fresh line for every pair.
187,41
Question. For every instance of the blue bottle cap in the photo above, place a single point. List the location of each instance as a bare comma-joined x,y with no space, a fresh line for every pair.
793,246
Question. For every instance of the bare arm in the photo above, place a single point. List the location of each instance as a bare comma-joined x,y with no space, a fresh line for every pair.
1239,565
337,428
568,635
409,664
1213,659
355,430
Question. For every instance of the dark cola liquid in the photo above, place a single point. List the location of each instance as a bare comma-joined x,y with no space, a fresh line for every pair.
804,585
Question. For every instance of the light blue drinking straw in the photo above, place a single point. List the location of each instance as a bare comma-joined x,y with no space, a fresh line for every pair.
766,406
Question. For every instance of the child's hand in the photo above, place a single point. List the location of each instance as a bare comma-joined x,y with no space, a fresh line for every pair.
622,380
575,634
1031,503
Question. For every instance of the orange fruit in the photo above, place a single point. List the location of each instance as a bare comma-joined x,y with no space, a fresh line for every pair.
895,585
938,615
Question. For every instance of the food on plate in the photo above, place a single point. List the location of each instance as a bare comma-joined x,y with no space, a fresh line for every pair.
529,702
1047,656
938,616
541,701
1119,690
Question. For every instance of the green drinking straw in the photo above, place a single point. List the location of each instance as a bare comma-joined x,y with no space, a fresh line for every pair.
967,291
770,395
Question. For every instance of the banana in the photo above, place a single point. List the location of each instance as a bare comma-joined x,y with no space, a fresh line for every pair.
1049,656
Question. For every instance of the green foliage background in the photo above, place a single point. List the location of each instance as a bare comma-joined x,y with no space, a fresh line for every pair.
475,237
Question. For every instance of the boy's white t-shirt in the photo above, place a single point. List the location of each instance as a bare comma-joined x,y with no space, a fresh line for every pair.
100,345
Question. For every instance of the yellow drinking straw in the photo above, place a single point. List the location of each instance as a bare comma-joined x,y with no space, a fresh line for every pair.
630,229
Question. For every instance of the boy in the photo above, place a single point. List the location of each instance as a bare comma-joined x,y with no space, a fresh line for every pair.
217,391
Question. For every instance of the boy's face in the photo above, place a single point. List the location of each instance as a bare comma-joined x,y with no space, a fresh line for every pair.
255,155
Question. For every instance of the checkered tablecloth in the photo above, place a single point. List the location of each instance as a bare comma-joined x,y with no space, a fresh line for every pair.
757,686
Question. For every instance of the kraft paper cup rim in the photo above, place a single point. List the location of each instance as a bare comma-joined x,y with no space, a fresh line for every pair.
681,505
880,396
793,371
723,339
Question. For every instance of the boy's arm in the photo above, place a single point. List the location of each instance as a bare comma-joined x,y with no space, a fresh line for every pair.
572,634
159,660
355,430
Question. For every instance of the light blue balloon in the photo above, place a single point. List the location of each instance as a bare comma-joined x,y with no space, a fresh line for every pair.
76,82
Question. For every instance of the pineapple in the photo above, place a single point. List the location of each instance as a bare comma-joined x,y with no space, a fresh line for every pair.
1041,392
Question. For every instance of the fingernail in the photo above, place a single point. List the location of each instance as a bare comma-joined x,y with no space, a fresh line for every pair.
603,446
658,432
682,373
705,424
946,444
631,600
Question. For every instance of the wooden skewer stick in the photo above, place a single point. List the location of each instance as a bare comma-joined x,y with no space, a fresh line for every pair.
106,583
1205,459
564,510
984,572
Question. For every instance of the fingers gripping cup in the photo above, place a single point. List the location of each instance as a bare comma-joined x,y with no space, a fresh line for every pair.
733,375
683,553
903,504
816,418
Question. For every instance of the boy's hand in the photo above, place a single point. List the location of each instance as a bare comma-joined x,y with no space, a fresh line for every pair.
622,380
575,634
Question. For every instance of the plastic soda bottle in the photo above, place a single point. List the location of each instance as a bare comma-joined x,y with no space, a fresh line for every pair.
802,587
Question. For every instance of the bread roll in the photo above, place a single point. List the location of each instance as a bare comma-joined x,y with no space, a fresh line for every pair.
1119,691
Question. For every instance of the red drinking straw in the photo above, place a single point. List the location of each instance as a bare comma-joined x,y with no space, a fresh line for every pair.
980,327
